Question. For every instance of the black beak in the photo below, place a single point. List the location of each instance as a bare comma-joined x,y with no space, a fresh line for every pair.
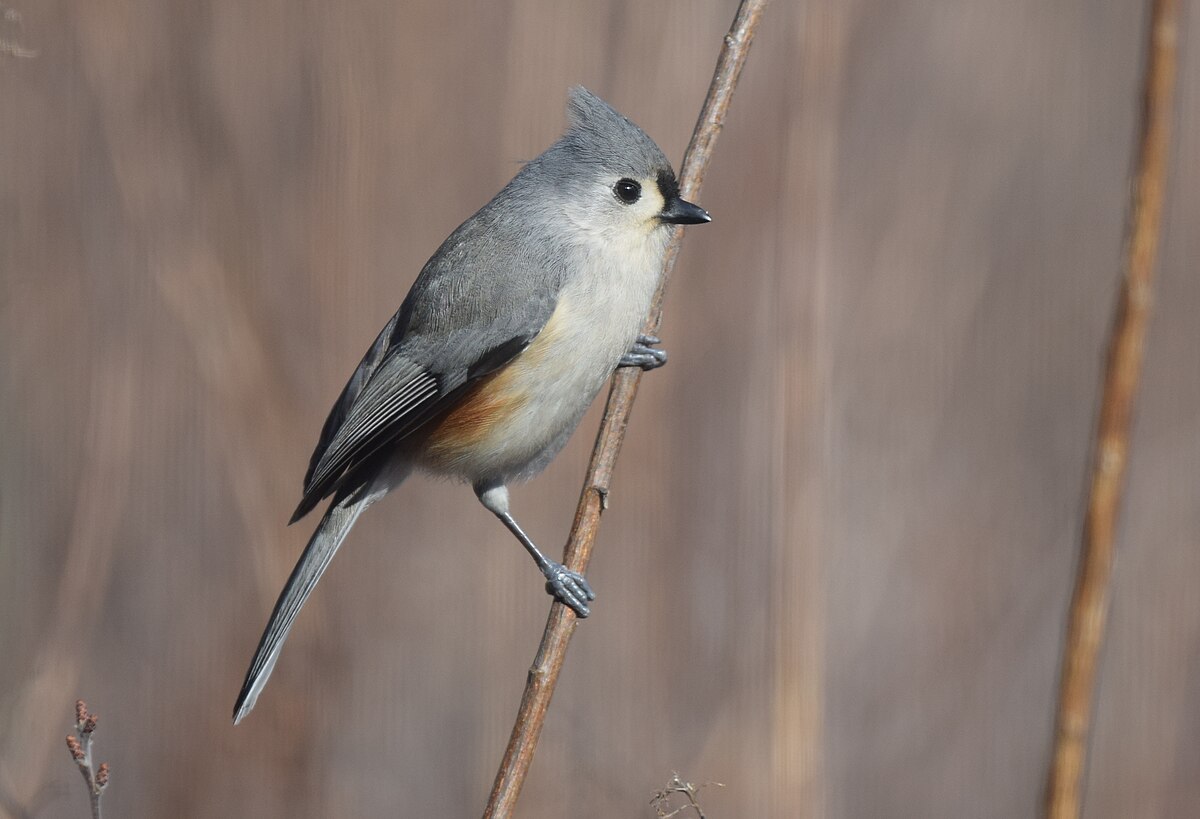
679,212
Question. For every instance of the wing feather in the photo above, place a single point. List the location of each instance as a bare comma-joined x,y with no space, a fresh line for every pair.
397,397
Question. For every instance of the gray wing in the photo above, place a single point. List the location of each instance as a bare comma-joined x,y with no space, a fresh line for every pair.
477,304
397,398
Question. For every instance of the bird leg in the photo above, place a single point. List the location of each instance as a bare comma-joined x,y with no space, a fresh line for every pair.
642,354
567,587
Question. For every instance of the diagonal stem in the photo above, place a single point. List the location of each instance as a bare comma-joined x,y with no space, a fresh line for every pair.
543,675
1110,449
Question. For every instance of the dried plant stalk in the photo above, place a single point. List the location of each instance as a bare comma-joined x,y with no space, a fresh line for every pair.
1110,450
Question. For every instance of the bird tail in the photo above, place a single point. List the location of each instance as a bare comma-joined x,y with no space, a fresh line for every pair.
321,548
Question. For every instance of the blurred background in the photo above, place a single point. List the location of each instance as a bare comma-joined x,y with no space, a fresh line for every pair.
835,572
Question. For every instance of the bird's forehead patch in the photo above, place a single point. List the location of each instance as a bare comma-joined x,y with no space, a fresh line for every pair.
668,186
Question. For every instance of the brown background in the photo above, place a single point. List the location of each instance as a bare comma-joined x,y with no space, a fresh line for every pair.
835,572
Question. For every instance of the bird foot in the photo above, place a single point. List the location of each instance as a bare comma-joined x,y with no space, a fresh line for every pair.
569,588
642,354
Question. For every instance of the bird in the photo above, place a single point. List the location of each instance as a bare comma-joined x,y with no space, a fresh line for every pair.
505,338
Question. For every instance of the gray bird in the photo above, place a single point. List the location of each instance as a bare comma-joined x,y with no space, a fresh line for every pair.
504,340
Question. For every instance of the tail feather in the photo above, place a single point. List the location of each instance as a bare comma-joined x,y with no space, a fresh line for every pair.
321,548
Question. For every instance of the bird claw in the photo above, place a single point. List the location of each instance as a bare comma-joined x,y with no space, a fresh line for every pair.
569,588
642,354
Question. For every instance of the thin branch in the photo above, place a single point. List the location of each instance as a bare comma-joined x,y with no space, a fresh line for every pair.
80,748
1110,450
543,675
661,802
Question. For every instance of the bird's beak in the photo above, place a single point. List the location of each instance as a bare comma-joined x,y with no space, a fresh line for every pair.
679,212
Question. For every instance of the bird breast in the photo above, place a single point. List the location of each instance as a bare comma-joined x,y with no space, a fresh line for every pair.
512,422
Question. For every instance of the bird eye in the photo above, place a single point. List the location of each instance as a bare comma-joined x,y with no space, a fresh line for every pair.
627,191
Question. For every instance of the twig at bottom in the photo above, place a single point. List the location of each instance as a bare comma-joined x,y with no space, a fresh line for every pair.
81,751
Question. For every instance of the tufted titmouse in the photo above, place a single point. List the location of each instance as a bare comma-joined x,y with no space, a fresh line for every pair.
505,338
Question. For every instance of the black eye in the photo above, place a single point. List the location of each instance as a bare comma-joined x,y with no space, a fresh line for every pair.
627,191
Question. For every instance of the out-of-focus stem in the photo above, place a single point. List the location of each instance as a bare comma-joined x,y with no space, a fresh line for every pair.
1110,450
